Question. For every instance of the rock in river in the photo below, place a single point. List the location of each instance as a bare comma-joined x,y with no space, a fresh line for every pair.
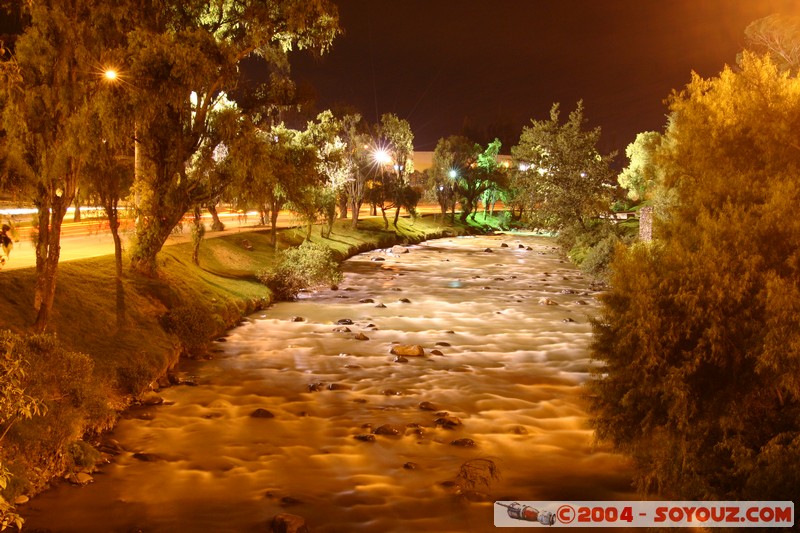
408,350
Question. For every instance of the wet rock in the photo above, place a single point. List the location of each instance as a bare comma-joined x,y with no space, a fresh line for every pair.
464,443
344,322
339,386
360,337
341,329
404,301
391,392
288,523
436,352
316,387
387,429
261,413
528,249
489,250
377,259
353,367
408,350
151,398
504,245
288,501
448,422
450,331
428,406
366,425
567,291
410,466
365,437
366,301
111,447
448,484
518,430
147,457
443,343
381,306
298,319
397,249
581,302
360,400
81,478
521,246
546,301
19,500
221,339
400,359
568,320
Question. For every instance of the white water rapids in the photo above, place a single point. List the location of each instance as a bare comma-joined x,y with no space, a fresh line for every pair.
511,371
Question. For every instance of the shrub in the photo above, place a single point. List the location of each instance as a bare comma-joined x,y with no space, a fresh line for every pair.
194,325
309,265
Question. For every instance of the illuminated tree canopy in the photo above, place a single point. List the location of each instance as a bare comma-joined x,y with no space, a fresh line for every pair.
700,333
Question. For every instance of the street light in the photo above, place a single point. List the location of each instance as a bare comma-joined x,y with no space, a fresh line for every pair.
382,157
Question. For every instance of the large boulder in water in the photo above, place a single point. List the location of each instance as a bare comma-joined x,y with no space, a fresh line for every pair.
408,350
288,523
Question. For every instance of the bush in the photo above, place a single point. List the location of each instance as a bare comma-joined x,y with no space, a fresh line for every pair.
307,266
194,325
700,333
74,399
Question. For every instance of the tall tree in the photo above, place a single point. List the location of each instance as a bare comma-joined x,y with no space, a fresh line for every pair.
640,177
562,175
700,333
779,36
182,54
47,85
397,152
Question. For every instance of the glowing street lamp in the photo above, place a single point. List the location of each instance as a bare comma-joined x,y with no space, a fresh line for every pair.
453,173
382,157
110,74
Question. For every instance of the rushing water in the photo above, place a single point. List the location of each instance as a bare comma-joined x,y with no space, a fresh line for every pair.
512,328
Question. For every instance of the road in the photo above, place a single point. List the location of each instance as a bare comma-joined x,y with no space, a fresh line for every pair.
81,240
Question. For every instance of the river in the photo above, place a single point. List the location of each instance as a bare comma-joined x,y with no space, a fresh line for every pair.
505,331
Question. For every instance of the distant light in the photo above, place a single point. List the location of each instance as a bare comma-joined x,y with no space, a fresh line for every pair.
453,174
382,157
583,174
524,167
110,74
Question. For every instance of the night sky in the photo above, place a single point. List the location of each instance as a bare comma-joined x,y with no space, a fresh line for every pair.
496,65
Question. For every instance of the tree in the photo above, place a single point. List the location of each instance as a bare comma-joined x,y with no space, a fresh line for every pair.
48,84
779,36
181,55
699,336
395,157
562,175
481,175
641,174
452,155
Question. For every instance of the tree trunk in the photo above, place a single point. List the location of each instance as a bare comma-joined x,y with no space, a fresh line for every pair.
274,210
197,235
385,220
112,213
216,224
342,206
355,207
48,252
396,215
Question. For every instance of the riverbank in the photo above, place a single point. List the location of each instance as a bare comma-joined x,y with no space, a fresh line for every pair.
97,370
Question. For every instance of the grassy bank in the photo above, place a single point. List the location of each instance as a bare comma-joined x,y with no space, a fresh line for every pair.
92,370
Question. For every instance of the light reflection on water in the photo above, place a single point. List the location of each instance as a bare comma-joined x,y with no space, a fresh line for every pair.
511,368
